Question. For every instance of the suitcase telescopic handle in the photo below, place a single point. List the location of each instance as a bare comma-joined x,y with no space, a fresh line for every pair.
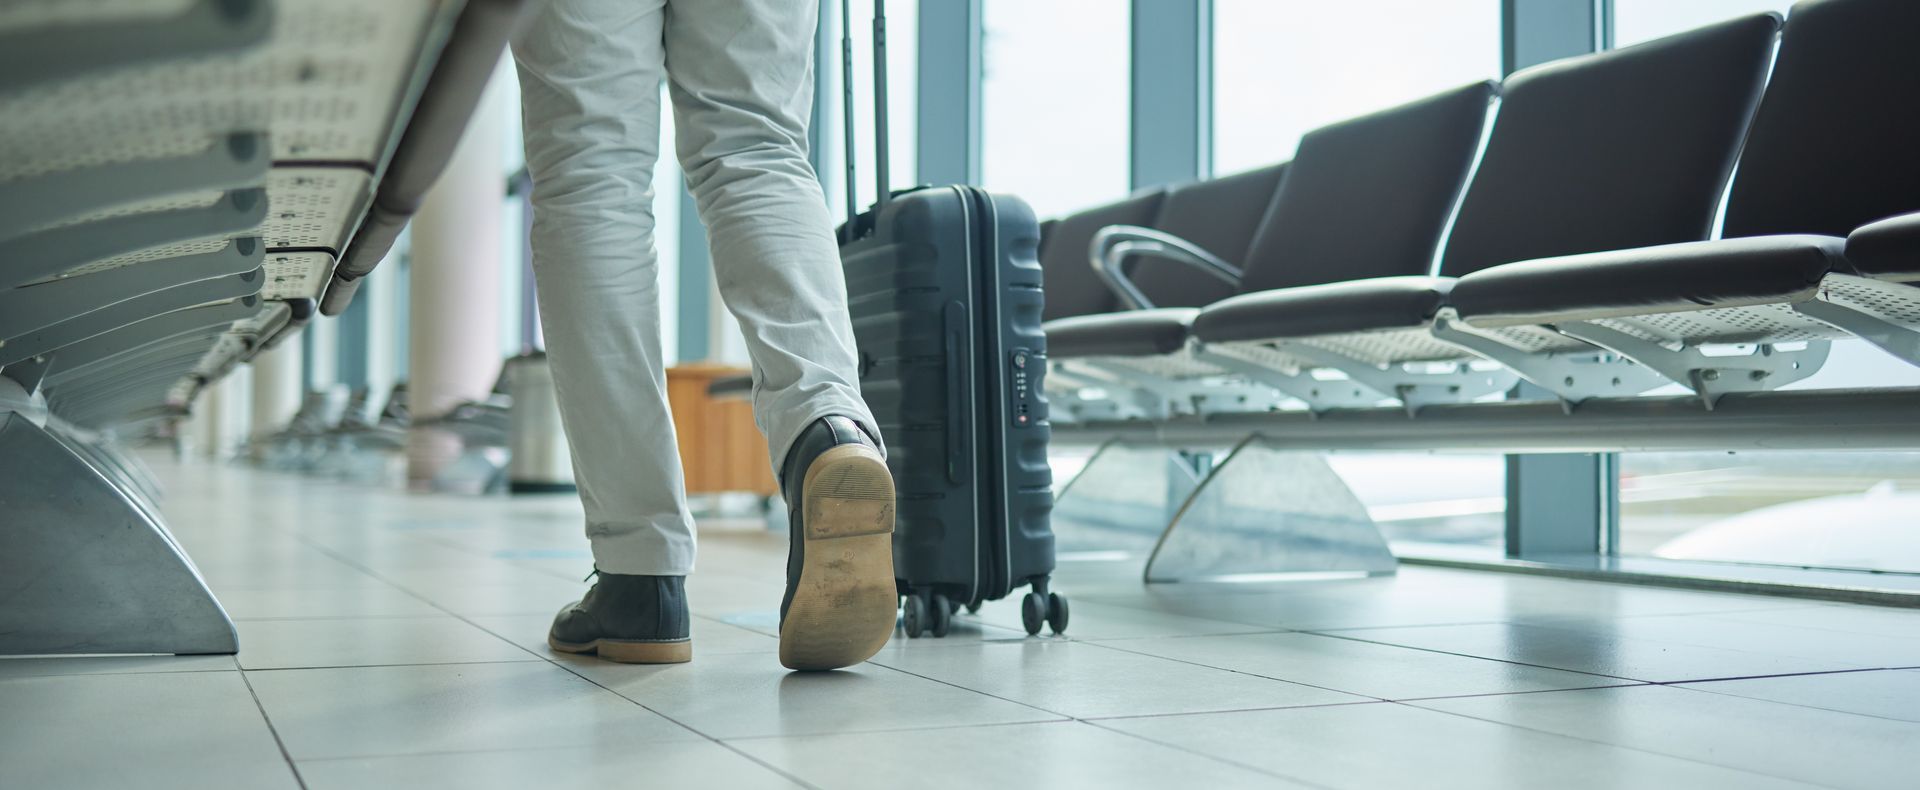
882,146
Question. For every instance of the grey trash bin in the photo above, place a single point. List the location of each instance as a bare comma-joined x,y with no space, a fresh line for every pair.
539,460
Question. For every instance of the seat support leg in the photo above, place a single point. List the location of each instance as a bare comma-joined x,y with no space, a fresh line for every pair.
1412,390
1573,377
1318,395
1883,334
89,569
1122,500
1709,377
1266,512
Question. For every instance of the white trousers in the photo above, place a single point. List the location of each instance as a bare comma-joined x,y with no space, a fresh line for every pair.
740,73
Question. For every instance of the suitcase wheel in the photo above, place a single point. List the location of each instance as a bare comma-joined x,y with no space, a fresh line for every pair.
926,614
1048,610
913,616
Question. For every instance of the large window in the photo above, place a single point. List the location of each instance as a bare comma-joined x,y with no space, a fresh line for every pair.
1055,102
1635,21
1283,67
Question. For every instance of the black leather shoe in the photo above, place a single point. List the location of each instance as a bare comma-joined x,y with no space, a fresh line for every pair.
840,599
630,619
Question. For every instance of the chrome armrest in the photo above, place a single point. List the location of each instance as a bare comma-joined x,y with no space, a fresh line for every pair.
1113,244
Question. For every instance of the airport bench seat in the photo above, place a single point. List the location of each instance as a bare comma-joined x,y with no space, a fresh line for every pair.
1131,333
1888,249
1669,278
1384,303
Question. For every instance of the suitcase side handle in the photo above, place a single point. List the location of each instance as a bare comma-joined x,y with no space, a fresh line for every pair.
956,344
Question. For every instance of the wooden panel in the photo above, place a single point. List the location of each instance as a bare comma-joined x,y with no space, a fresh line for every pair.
720,448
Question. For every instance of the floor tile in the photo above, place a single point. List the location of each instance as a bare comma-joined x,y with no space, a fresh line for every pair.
680,764
1085,680
1869,620
1891,694
538,596
189,730
26,667
1056,756
1390,746
1898,647
1374,670
282,644
1595,651
748,695
374,600
710,637
1788,741
367,711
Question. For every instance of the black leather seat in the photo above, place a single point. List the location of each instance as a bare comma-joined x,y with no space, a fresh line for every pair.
1667,278
1363,198
1616,149
1332,308
1827,153
1073,288
1219,215
1888,249
1132,333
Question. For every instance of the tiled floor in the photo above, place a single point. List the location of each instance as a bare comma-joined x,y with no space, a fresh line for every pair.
395,640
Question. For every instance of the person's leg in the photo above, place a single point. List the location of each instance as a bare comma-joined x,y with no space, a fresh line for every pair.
741,77
590,74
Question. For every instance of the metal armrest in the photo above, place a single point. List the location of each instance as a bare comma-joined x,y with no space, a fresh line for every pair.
1114,243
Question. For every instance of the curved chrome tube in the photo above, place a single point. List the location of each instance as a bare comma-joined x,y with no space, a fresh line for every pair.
1114,243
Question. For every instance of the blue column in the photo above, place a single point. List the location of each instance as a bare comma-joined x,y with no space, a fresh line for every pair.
1172,115
948,116
1557,504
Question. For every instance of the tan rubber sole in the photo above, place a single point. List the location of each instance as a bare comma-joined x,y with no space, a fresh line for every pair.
844,602
630,652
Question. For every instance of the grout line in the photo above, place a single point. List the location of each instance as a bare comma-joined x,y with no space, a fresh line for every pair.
1203,755
275,732
393,665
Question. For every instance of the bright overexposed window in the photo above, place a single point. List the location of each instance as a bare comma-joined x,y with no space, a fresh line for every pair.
1283,67
1054,97
1635,21
903,54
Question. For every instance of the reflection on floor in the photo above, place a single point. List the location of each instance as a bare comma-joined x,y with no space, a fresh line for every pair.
395,640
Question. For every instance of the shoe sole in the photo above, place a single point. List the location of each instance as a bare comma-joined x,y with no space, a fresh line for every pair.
628,651
844,601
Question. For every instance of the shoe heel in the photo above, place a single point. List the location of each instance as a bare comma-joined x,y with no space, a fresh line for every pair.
646,652
843,607
848,492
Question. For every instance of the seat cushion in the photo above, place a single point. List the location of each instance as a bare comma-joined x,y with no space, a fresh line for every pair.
1664,279
1334,308
1888,249
1135,333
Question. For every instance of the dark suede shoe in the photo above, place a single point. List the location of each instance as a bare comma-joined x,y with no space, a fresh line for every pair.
630,619
840,599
